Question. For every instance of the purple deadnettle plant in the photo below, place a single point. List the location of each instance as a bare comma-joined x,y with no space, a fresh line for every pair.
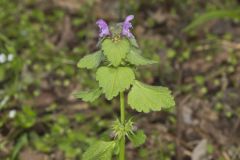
115,63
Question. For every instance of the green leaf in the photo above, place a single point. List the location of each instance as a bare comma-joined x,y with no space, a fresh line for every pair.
89,96
21,142
212,15
146,98
133,42
138,138
115,51
100,150
135,58
43,144
114,80
27,117
91,61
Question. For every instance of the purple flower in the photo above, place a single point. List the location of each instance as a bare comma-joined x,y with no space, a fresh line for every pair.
104,30
127,25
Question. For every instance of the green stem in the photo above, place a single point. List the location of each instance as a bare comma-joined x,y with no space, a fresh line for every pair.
122,140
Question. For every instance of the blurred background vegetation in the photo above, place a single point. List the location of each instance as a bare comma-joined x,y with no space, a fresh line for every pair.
196,42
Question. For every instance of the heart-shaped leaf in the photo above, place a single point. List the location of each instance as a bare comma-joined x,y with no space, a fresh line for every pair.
114,80
115,51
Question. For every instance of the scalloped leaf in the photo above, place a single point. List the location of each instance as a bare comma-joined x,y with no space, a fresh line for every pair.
134,57
146,98
138,138
115,51
114,80
91,61
89,96
100,150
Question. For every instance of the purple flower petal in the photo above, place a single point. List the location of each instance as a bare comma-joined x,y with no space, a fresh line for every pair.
127,25
104,30
129,18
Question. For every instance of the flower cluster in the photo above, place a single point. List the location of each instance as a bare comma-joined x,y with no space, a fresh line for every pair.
126,26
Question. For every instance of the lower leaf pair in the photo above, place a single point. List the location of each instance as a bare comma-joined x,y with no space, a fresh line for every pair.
103,150
142,97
